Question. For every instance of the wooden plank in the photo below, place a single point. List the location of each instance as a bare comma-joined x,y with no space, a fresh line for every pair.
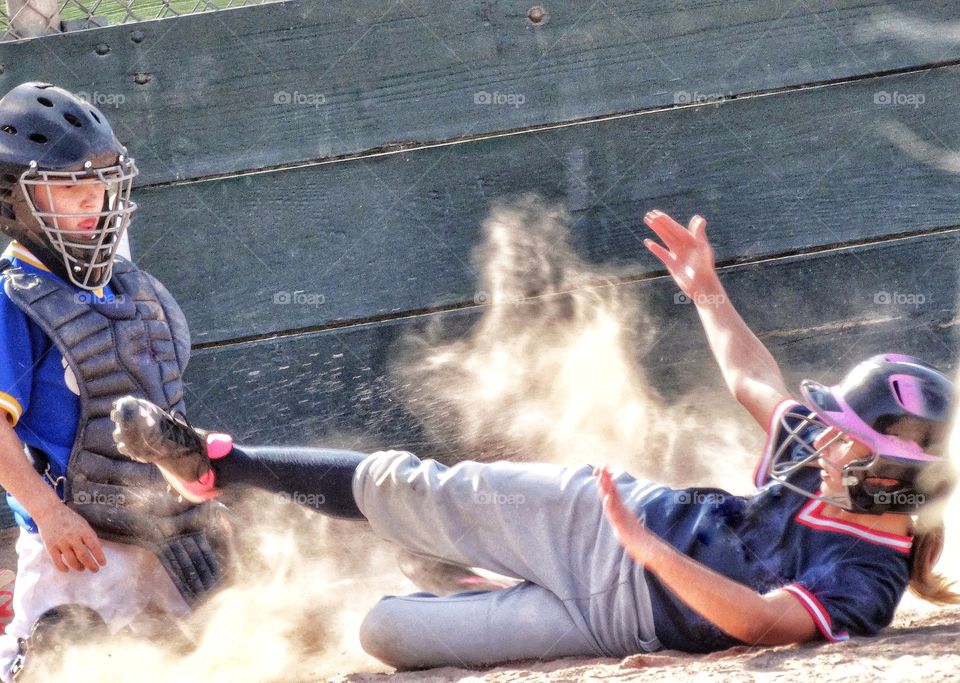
818,313
376,237
204,94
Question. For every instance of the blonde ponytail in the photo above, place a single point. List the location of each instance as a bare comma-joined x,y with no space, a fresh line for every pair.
924,582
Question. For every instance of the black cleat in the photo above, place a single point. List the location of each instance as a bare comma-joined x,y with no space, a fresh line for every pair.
144,432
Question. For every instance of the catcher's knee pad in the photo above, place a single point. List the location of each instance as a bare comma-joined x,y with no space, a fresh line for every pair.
65,624
54,629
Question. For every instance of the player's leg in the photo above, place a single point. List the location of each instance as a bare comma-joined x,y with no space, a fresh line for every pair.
538,522
197,462
319,478
475,629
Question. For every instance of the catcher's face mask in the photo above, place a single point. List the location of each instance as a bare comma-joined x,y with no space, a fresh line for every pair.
82,215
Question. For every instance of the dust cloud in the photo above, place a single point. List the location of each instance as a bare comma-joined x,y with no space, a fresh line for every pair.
549,371
292,613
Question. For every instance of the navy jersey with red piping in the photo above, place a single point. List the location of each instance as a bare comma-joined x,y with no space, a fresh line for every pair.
848,577
37,391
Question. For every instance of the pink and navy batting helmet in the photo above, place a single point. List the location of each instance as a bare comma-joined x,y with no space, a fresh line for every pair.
876,394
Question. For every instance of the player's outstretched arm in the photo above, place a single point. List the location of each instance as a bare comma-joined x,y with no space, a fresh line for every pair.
775,618
749,370
68,538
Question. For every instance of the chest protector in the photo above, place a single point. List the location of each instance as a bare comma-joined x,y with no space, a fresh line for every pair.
138,344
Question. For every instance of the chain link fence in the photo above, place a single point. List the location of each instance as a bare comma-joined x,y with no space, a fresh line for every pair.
21,19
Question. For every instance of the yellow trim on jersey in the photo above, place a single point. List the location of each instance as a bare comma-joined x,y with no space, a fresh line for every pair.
20,252
11,407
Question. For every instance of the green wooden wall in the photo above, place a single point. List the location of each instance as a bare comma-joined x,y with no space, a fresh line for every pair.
349,151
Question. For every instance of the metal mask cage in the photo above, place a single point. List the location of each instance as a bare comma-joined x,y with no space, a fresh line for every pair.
87,253
861,494
782,466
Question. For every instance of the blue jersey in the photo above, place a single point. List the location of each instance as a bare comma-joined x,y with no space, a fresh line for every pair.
849,577
38,392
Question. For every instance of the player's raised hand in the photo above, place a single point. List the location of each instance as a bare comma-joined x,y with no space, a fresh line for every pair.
631,532
70,541
686,253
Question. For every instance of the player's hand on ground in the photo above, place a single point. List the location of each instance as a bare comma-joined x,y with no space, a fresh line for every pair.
70,541
686,253
631,532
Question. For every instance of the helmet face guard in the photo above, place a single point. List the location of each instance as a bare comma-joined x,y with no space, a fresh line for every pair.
87,254
918,480
899,475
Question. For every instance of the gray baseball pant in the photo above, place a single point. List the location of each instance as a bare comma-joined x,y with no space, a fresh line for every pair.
581,594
